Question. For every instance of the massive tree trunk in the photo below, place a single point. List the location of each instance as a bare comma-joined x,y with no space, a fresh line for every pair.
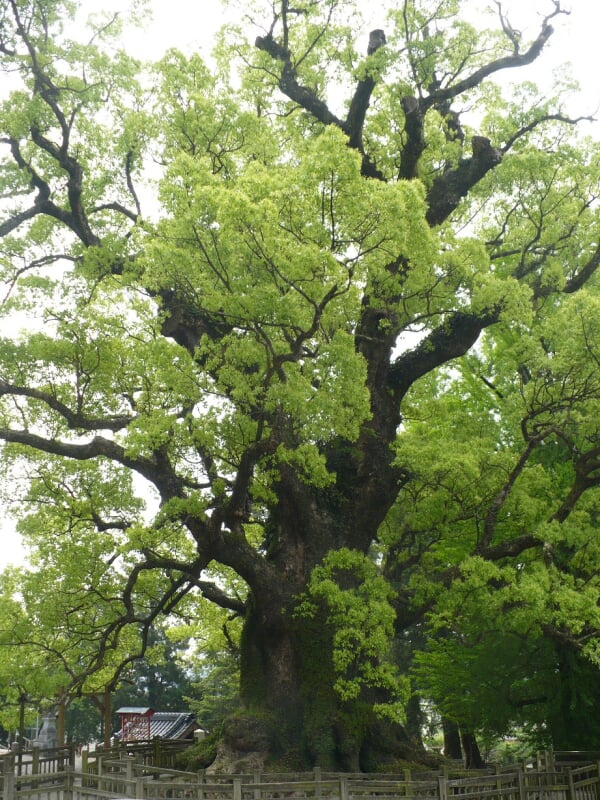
287,683
287,660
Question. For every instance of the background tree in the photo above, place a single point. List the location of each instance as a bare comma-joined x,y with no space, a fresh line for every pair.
507,645
159,680
265,355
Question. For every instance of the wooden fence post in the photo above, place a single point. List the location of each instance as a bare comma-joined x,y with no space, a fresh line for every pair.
343,788
69,782
497,772
256,778
9,778
521,782
35,761
443,787
570,785
317,778
538,761
201,781
237,789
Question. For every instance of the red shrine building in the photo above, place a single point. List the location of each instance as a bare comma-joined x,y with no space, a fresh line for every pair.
145,724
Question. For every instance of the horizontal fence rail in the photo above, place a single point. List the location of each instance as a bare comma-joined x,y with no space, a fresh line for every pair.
110,775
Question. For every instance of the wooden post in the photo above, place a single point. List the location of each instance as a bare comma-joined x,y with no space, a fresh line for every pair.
343,788
237,789
317,776
22,702
521,780
256,778
21,739
35,761
85,755
69,782
60,722
201,781
443,787
570,785
8,778
107,718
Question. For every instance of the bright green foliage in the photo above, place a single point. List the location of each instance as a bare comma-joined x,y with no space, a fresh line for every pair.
358,610
518,456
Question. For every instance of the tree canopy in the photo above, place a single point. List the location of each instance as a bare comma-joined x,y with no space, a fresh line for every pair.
308,335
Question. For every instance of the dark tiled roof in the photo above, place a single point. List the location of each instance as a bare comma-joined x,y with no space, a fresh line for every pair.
164,725
172,724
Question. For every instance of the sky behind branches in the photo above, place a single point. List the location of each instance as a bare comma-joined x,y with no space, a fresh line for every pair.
192,26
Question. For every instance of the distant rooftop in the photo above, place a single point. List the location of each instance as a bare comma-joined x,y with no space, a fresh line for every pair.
141,724
144,712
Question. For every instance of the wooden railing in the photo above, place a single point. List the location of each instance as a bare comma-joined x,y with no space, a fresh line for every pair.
37,762
128,777
154,753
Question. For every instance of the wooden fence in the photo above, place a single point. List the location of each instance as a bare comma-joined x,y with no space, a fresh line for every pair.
106,778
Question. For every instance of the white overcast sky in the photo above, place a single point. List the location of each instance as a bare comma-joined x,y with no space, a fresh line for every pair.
191,25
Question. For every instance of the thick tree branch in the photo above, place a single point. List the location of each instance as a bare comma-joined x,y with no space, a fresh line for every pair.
449,188
308,100
450,340
587,476
217,596
157,470
582,277
509,548
359,104
515,60
414,120
15,221
102,525
75,420
126,212
567,637
290,86
76,218
186,323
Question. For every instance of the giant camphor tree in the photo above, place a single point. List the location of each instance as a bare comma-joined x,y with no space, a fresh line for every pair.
338,378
